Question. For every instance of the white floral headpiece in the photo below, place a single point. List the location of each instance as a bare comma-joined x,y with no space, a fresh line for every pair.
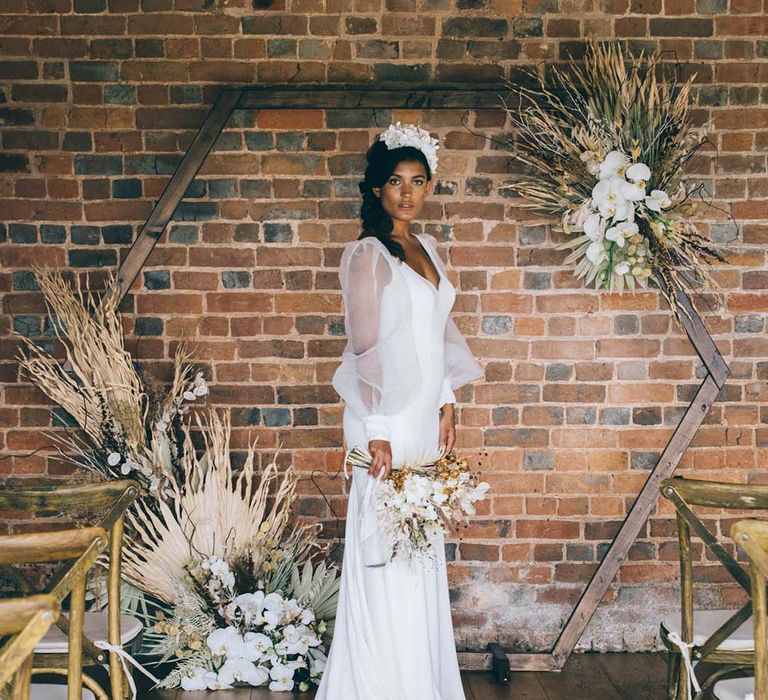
400,135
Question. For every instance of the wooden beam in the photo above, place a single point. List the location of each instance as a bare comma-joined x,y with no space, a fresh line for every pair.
456,96
637,516
175,189
483,661
702,341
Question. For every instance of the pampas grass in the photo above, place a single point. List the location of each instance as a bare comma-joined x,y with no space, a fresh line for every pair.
126,428
102,383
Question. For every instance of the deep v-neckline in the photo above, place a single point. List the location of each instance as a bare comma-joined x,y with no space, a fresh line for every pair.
435,287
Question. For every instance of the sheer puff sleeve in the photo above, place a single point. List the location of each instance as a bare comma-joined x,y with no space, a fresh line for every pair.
377,375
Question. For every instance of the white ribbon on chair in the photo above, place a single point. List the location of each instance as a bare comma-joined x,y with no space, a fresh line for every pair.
124,658
685,652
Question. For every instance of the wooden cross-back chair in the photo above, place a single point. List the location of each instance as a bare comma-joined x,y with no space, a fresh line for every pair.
752,537
27,620
723,638
109,500
83,545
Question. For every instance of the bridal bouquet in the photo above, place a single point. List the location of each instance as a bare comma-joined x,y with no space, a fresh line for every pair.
417,504
606,145
222,637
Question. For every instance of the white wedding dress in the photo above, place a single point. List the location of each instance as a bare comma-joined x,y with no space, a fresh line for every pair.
393,637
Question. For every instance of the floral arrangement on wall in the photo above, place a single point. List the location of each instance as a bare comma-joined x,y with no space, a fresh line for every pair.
606,144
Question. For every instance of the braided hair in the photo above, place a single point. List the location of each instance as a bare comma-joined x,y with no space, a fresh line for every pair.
382,162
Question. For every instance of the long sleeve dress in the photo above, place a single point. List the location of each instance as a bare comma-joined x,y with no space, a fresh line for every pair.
393,636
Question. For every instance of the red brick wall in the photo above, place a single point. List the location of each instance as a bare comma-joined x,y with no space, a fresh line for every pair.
98,99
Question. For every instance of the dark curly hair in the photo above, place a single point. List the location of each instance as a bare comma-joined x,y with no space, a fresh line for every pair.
382,162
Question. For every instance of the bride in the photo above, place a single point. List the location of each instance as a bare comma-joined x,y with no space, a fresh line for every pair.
393,637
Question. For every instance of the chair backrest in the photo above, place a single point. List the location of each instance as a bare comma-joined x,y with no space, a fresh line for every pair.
685,494
78,547
114,497
26,620
752,537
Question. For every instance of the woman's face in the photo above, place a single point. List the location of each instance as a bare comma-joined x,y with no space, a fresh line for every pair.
403,194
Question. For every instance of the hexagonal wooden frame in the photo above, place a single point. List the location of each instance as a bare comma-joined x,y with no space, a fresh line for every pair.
479,96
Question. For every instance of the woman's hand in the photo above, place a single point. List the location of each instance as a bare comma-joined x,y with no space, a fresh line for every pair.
447,428
381,451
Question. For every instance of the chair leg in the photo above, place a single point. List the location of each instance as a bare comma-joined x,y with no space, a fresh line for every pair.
116,681
75,651
673,675
683,681
21,681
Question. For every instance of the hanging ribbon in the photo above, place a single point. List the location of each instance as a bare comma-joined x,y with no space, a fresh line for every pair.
374,551
685,652
125,657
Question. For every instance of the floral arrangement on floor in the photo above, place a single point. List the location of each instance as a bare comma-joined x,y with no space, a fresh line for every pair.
129,424
254,638
416,505
233,592
241,601
606,144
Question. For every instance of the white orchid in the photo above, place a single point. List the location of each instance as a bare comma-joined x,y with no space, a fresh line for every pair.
594,227
220,570
201,679
476,494
619,233
658,200
622,268
259,676
242,671
273,610
614,165
417,489
258,646
251,605
219,684
611,203
296,640
638,176
596,252
291,609
226,641
282,677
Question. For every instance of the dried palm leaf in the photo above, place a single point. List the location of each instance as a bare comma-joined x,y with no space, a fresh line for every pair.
212,513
